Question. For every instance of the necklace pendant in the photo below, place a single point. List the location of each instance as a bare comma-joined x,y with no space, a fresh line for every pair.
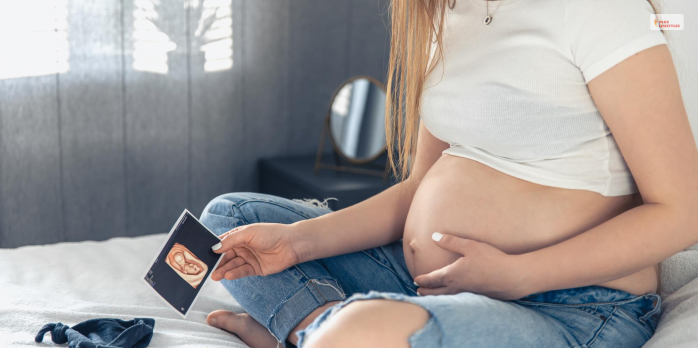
488,20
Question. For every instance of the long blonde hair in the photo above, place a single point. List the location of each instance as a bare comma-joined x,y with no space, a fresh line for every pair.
417,27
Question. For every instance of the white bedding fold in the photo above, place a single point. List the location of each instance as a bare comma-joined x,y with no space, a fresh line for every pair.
73,282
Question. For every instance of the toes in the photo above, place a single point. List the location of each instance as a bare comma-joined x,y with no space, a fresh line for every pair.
244,326
225,320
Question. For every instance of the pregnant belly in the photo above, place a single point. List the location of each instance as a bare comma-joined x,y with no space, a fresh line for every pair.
463,197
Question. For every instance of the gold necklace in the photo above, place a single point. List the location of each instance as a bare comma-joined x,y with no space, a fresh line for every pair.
488,19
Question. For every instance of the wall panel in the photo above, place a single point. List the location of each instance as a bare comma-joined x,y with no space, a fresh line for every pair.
30,179
369,39
157,140
92,123
319,32
264,72
216,109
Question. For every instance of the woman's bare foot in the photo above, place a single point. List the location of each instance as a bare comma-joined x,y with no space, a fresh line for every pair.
253,333
244,326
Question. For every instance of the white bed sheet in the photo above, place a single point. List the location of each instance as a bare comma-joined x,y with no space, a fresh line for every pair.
74,282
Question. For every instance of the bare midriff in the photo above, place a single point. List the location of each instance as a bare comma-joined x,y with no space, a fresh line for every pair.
466,198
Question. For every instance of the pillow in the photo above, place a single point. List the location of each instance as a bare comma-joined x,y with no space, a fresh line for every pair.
679,270
677,325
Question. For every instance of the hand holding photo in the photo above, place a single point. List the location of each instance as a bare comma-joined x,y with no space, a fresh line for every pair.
183,264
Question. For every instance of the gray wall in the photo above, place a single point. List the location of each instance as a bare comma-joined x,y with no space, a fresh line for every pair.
104,150
684,48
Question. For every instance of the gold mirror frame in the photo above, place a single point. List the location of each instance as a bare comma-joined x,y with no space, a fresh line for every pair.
358,166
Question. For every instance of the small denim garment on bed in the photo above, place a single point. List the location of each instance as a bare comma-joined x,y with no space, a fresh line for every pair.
101,333
591,316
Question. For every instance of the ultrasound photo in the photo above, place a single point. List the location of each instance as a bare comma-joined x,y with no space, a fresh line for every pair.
186,264
183,263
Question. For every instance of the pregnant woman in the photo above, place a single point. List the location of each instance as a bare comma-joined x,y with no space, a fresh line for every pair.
547,167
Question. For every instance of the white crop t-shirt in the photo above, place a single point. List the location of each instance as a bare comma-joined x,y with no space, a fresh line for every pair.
513,94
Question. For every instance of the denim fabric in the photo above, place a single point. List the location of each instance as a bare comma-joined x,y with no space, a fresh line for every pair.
591,316
101,333
280,301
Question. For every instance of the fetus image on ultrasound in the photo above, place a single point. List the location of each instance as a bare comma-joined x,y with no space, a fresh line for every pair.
186,264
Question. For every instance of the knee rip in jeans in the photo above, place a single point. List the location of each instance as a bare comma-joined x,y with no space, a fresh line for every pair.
430,334
312,202
338,289
317,282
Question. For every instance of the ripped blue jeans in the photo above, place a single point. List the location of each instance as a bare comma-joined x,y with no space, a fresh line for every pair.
590,316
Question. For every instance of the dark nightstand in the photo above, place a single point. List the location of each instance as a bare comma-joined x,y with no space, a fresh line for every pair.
293,177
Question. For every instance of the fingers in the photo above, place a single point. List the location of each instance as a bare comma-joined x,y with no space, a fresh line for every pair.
243,271
435,279
237,263
233,230
451,243
438,282
223,268
445,290
227,257
233,238
251,259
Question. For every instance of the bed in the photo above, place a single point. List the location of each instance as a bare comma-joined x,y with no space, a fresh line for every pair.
73,282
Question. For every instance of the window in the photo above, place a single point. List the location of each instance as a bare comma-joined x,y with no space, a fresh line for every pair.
33,38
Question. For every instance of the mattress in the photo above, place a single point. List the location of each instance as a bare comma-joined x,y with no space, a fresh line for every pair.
74,282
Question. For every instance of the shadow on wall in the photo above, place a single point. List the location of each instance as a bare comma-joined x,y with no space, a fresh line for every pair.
213,36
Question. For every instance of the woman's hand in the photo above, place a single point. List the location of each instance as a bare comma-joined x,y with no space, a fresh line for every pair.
256,249
483,269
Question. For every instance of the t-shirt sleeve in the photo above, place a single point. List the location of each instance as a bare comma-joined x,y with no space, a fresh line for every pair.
603,33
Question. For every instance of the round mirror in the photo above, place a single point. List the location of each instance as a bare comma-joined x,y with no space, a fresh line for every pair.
357,119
